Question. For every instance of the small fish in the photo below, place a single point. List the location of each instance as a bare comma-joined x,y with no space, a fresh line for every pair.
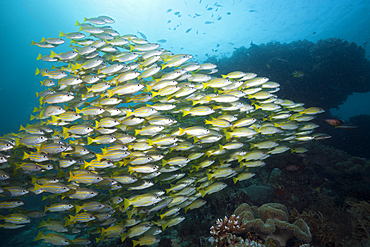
210,8
141,34
169,21
228,13
53,238
188,30
298,74
169,10
209,22
334,122
347,126
252,10
177,13
162,41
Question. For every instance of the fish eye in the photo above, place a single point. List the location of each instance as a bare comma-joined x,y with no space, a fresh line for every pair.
4,176
92,193
24,191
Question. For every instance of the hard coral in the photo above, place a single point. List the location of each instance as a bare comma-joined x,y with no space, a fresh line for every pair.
271,221
226,226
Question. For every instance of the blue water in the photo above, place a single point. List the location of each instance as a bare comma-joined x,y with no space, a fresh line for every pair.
248,21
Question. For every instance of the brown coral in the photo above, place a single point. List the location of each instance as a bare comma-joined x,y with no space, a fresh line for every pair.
361,219
271,221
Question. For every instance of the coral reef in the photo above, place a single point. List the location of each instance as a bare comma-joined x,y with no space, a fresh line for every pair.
271,221
360,219
330,67
224,230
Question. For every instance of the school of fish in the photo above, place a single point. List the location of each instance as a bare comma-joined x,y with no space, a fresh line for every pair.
128,137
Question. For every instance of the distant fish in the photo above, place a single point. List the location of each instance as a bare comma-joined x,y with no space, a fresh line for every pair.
209,22
228,13
291,168
313,32
252,10
169,10
218,45
179,16
169,21
210,8
229,43
197,32
347,126
177,13
334,122
219,18
188,30
200,1
162,41
218,5
197,14
298,74
141,34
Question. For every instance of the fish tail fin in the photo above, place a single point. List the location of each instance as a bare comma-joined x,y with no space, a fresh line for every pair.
235,180
154,94
42,224
53,54
123,236
21,128
209,175
25,156
86,164
78,208
224,76
61,34
77,23
89,140
70,176
37,71
202,192
33,43
39,236
39,57
135,242
126,203
228,135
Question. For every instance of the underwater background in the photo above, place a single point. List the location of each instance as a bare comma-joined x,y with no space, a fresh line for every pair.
316,50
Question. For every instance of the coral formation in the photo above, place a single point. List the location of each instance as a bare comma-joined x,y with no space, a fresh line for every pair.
224,229
361,219
271,221
328,67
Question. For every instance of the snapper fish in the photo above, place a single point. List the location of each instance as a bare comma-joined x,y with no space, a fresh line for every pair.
122,135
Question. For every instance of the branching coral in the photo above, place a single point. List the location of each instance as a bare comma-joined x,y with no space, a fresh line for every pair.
271,221
226,226
224,230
